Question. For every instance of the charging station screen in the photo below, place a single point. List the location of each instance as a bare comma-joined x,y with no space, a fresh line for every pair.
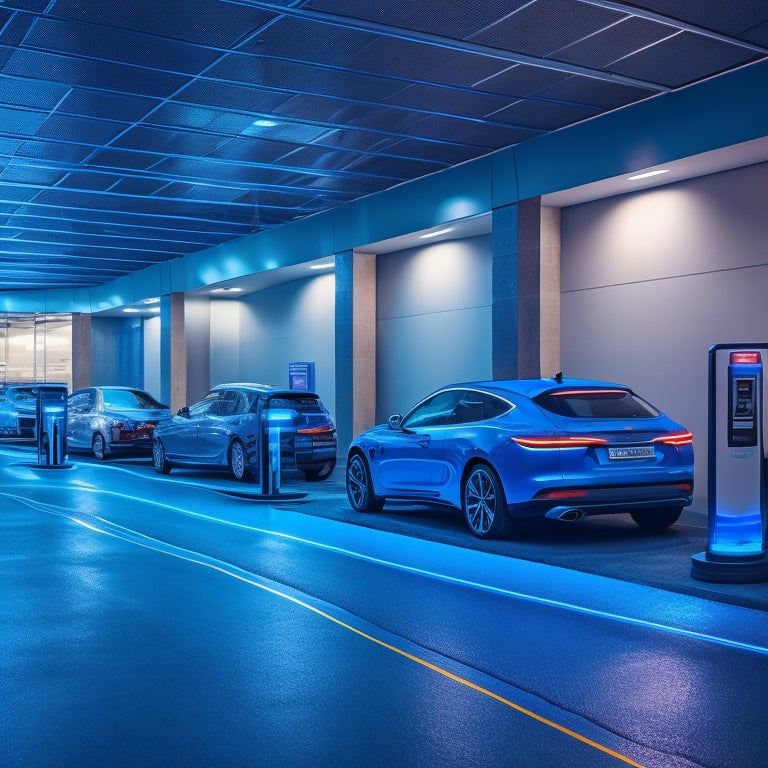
742,424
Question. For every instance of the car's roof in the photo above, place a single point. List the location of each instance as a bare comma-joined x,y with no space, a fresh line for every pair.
112,388
532,387
264,389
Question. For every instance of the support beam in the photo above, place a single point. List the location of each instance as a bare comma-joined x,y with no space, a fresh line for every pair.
355,345
526,291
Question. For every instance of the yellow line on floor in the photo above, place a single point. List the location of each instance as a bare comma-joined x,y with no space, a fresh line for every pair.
190,556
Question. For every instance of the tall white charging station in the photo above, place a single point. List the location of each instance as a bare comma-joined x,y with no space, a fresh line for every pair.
737,515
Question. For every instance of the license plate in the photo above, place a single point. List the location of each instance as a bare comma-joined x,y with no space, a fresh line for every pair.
632,452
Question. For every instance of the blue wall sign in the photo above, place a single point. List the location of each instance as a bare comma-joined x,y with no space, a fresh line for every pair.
301,376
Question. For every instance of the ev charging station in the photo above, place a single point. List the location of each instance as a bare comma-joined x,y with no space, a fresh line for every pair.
269,458
51,425
737,512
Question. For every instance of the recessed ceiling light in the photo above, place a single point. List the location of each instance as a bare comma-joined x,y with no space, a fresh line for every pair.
327,265
436,233
151,301
264,123
647,174
226,290
131,309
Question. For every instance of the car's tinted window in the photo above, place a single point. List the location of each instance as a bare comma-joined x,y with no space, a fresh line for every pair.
240,404
478,406
79,403
209,404
231,404
436,410
596,404
127,398
300,403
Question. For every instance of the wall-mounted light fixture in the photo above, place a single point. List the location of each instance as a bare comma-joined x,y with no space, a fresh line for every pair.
436,233
647,174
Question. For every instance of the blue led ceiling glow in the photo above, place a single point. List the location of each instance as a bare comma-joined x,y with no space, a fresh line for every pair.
135,134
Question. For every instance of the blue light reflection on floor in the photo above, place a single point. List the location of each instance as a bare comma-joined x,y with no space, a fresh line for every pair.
543,584
135,518
450,669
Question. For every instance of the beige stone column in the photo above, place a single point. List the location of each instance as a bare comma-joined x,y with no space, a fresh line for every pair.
550,302
173,351
355,345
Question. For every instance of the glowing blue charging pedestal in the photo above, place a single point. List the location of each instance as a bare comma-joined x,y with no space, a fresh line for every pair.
51,425
736,541
269,462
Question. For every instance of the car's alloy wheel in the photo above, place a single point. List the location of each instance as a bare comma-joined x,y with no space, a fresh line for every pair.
656,519
483,502
359,486
238,462
99,446
160,463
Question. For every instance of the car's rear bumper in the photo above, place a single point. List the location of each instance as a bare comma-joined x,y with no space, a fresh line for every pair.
131,446
606,499
310,452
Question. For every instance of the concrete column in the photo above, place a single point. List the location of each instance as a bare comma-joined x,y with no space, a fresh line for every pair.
549,342
526,291
173,351
355,345
81,350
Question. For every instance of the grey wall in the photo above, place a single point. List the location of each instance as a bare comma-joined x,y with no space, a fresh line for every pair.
434,320
651,281
117,355
255,339
197,332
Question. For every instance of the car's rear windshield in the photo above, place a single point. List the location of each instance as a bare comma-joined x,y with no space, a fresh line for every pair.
128,398
301,403
22,394
596,404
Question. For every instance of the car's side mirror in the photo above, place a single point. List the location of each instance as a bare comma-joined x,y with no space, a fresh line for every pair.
183,412
395,421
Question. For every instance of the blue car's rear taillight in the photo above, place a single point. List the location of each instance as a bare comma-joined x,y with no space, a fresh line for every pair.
566,441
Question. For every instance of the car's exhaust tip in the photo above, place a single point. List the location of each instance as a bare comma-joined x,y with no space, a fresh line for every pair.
567,514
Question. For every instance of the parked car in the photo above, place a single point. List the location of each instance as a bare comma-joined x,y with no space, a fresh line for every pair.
107,420
224,430
503,450
18,410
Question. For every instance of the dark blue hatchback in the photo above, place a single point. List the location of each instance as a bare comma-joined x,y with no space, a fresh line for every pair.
225,429
502,450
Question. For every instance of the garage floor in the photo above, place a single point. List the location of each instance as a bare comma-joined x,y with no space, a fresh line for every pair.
186,620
